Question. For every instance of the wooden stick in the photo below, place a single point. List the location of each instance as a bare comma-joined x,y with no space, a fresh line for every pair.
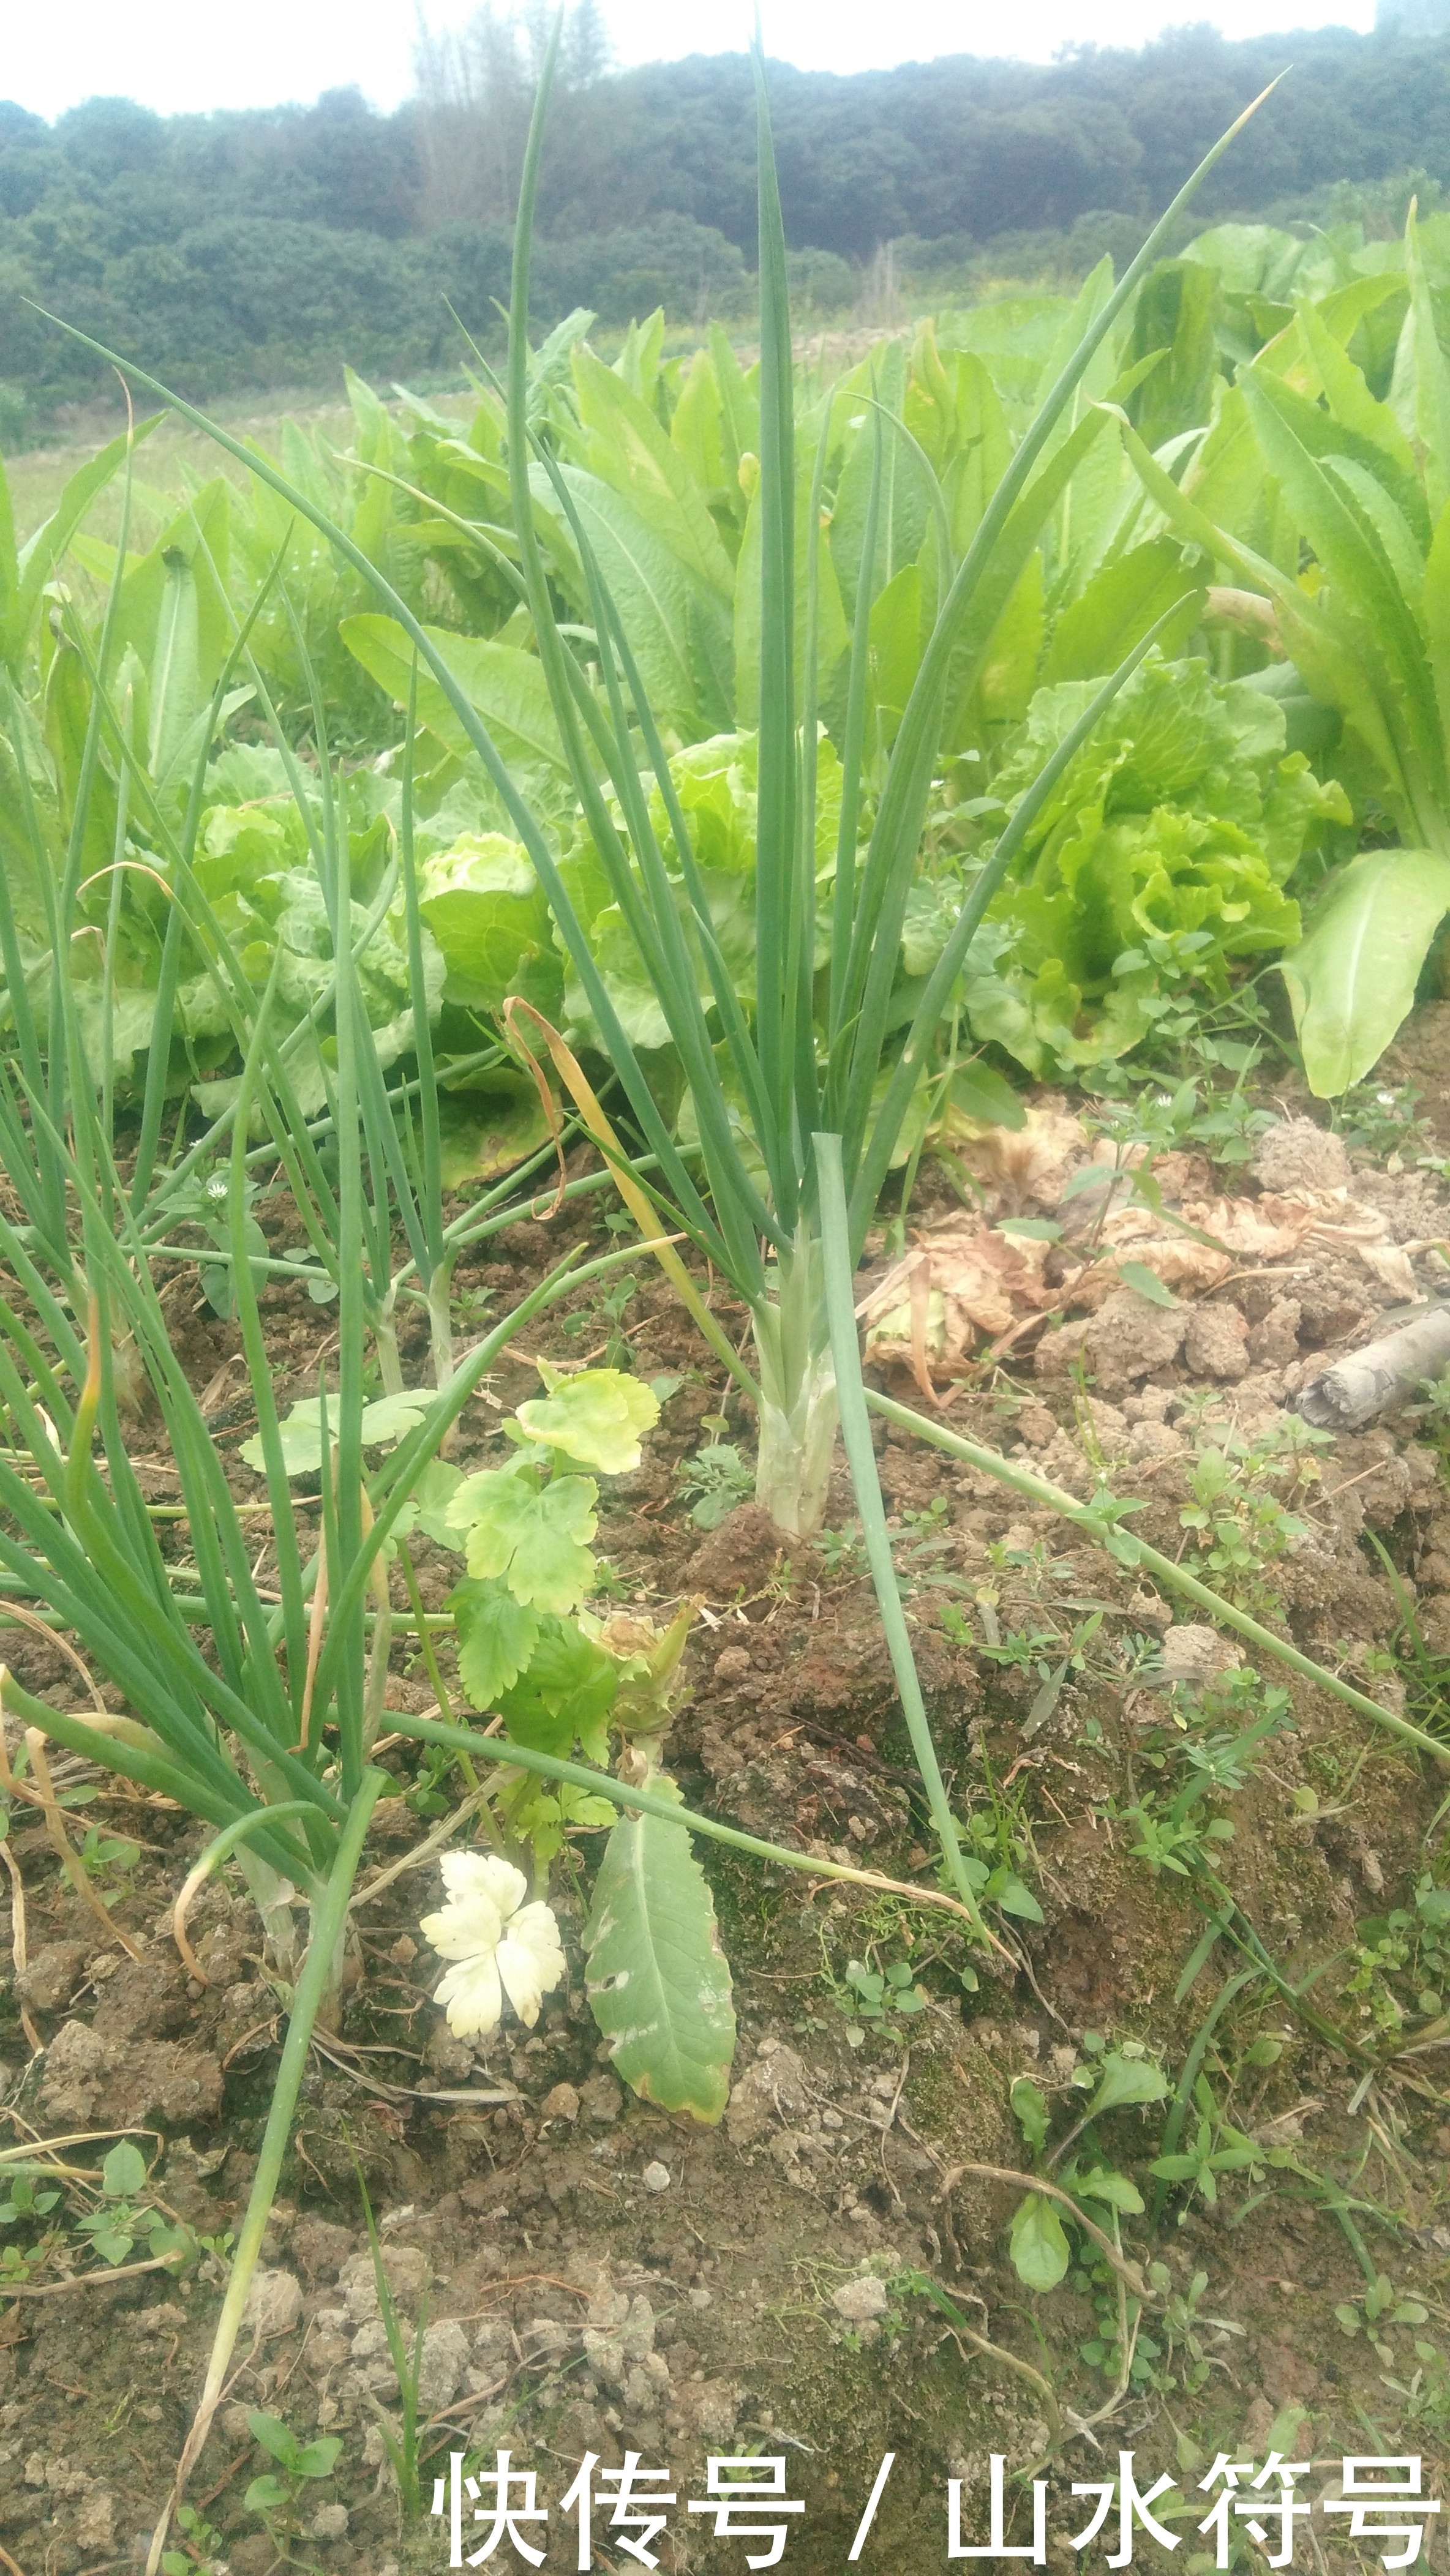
1357,1390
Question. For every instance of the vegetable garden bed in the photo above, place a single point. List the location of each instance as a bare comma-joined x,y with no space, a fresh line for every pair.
555,1906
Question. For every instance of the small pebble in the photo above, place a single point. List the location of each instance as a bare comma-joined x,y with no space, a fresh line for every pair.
656,2177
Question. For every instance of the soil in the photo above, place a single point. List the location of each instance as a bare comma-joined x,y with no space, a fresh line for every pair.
595,2276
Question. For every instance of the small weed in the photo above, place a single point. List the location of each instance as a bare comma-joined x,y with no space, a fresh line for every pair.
1215,2148
26,2207
1426,2396
609,1583
602,1320
874,1988
101,1851
999,1850
1382,1121
841,1552
427,1796
1211,1733
24,2201
1378,2309
1431,1414
1402,1961
402,2443
276,2496
1236,1512
1180,1844
717,1478
879,1995
202,2545
1223,1124
124,2216
207,1205
56,2213
1019,1648
471,1305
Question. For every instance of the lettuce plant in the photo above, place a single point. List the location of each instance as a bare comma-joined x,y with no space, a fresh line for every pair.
1349,568
1163,854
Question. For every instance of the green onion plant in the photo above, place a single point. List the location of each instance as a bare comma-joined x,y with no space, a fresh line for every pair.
819,1051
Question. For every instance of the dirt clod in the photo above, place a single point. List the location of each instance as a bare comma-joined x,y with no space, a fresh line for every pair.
444,2361
405,2268
601,2098
145,1999
52,1976
1127,1340
862,2298
96,2521
274,2303
320,2247
1297,1155
1216,1343
87,2078
773,2088
1195,1654
739,1556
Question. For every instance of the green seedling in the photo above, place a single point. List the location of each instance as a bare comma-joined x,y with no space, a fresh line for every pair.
878,1995
277,2494
1216,2147
101,1851
1116,2079
23,2201
1380,2307
603,1320
401,2442
1381,1119
713,1482
1241,1523
202,2546
125,2218
999,1852
841,1553
1402,1961
1425,2396
1176,1842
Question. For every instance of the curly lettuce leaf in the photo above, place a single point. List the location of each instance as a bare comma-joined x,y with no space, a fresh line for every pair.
1163,854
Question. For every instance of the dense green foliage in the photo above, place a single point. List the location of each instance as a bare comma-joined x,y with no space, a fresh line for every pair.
264,247
771,730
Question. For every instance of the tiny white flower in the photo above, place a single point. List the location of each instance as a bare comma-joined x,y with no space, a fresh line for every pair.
498,1945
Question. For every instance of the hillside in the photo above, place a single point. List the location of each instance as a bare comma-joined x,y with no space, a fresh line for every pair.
257,248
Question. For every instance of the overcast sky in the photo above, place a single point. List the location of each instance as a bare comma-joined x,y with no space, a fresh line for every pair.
174,54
